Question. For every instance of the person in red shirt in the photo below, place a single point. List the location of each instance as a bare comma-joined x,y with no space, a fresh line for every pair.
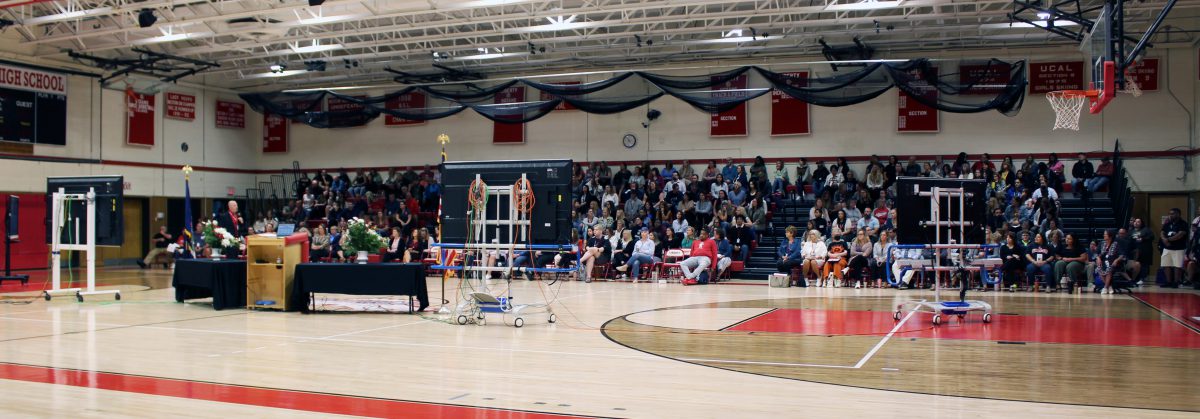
704,252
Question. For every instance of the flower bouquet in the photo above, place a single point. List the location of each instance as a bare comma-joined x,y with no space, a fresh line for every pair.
220,240
362,240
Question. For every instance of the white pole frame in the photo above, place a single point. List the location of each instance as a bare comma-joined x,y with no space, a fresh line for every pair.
59,200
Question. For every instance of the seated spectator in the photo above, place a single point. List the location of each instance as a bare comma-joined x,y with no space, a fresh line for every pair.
835,263
161,240
1082,171
1044,190
689,236
814,254
704,252
1013,256
757,216
868,226
819,176
879,254
1070,264
835,178
319,247
1110,260
780,179
642,254
841,224
853,212
1101,177
790,253
671,240
395,247
1040,260
417,246
596,250
724,250
740,237
737,195
859,264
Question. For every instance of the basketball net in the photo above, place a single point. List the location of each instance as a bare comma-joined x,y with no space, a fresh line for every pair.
1131,86
1068,105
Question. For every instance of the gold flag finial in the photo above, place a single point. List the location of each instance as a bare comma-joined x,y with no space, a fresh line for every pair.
443,139
187,171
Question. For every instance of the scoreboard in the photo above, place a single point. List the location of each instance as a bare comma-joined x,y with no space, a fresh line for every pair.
33,106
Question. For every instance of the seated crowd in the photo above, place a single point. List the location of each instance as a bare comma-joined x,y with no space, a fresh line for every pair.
636,215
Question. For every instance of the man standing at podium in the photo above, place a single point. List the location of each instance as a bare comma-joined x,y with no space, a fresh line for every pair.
231,220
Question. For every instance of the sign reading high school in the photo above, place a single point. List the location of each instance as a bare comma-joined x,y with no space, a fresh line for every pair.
35,80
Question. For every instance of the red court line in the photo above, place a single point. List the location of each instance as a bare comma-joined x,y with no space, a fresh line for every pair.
1041,329
256,396
1182,306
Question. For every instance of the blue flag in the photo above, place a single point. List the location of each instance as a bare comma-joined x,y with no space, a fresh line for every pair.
187,215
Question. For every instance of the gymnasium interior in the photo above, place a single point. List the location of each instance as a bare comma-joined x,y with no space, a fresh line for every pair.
600,208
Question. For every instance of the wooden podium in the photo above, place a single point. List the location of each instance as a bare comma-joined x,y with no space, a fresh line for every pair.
270,267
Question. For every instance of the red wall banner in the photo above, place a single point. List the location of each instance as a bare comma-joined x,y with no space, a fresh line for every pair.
181,106
563,106
1145,73
509,133
411,100
731,123
914,116
139,119
231,114
275,133
335,105
991,78
790,116
1055,76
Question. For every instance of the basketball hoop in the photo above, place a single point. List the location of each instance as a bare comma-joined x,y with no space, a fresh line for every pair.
1068,105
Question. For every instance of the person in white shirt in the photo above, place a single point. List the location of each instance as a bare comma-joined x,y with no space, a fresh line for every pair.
814,253
1044,190
643,254
680,224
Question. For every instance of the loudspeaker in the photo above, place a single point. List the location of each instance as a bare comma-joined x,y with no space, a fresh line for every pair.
912,209
551,179
11,218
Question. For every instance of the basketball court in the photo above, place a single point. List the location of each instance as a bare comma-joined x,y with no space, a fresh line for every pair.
618,350
87,334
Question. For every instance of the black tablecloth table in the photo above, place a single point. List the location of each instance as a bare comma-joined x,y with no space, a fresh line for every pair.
354,279
223,280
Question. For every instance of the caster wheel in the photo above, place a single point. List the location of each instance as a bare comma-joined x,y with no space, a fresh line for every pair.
79,297
46,296
937,319
987,317
896,316
553,318
518,322
462,320
118,297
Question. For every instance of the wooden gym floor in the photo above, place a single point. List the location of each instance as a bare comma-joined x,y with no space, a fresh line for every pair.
618,350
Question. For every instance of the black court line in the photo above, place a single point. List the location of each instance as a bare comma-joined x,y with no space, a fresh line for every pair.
748,319
604,332
1176,319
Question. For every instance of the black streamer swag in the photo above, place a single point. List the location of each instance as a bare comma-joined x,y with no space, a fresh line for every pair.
991,85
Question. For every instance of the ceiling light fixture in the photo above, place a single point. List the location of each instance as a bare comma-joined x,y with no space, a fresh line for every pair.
1043,15
865,5
277,68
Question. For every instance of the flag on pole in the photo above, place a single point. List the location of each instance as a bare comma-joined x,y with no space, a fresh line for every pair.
187,210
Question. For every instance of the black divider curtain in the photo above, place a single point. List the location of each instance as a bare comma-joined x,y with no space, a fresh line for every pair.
968,87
